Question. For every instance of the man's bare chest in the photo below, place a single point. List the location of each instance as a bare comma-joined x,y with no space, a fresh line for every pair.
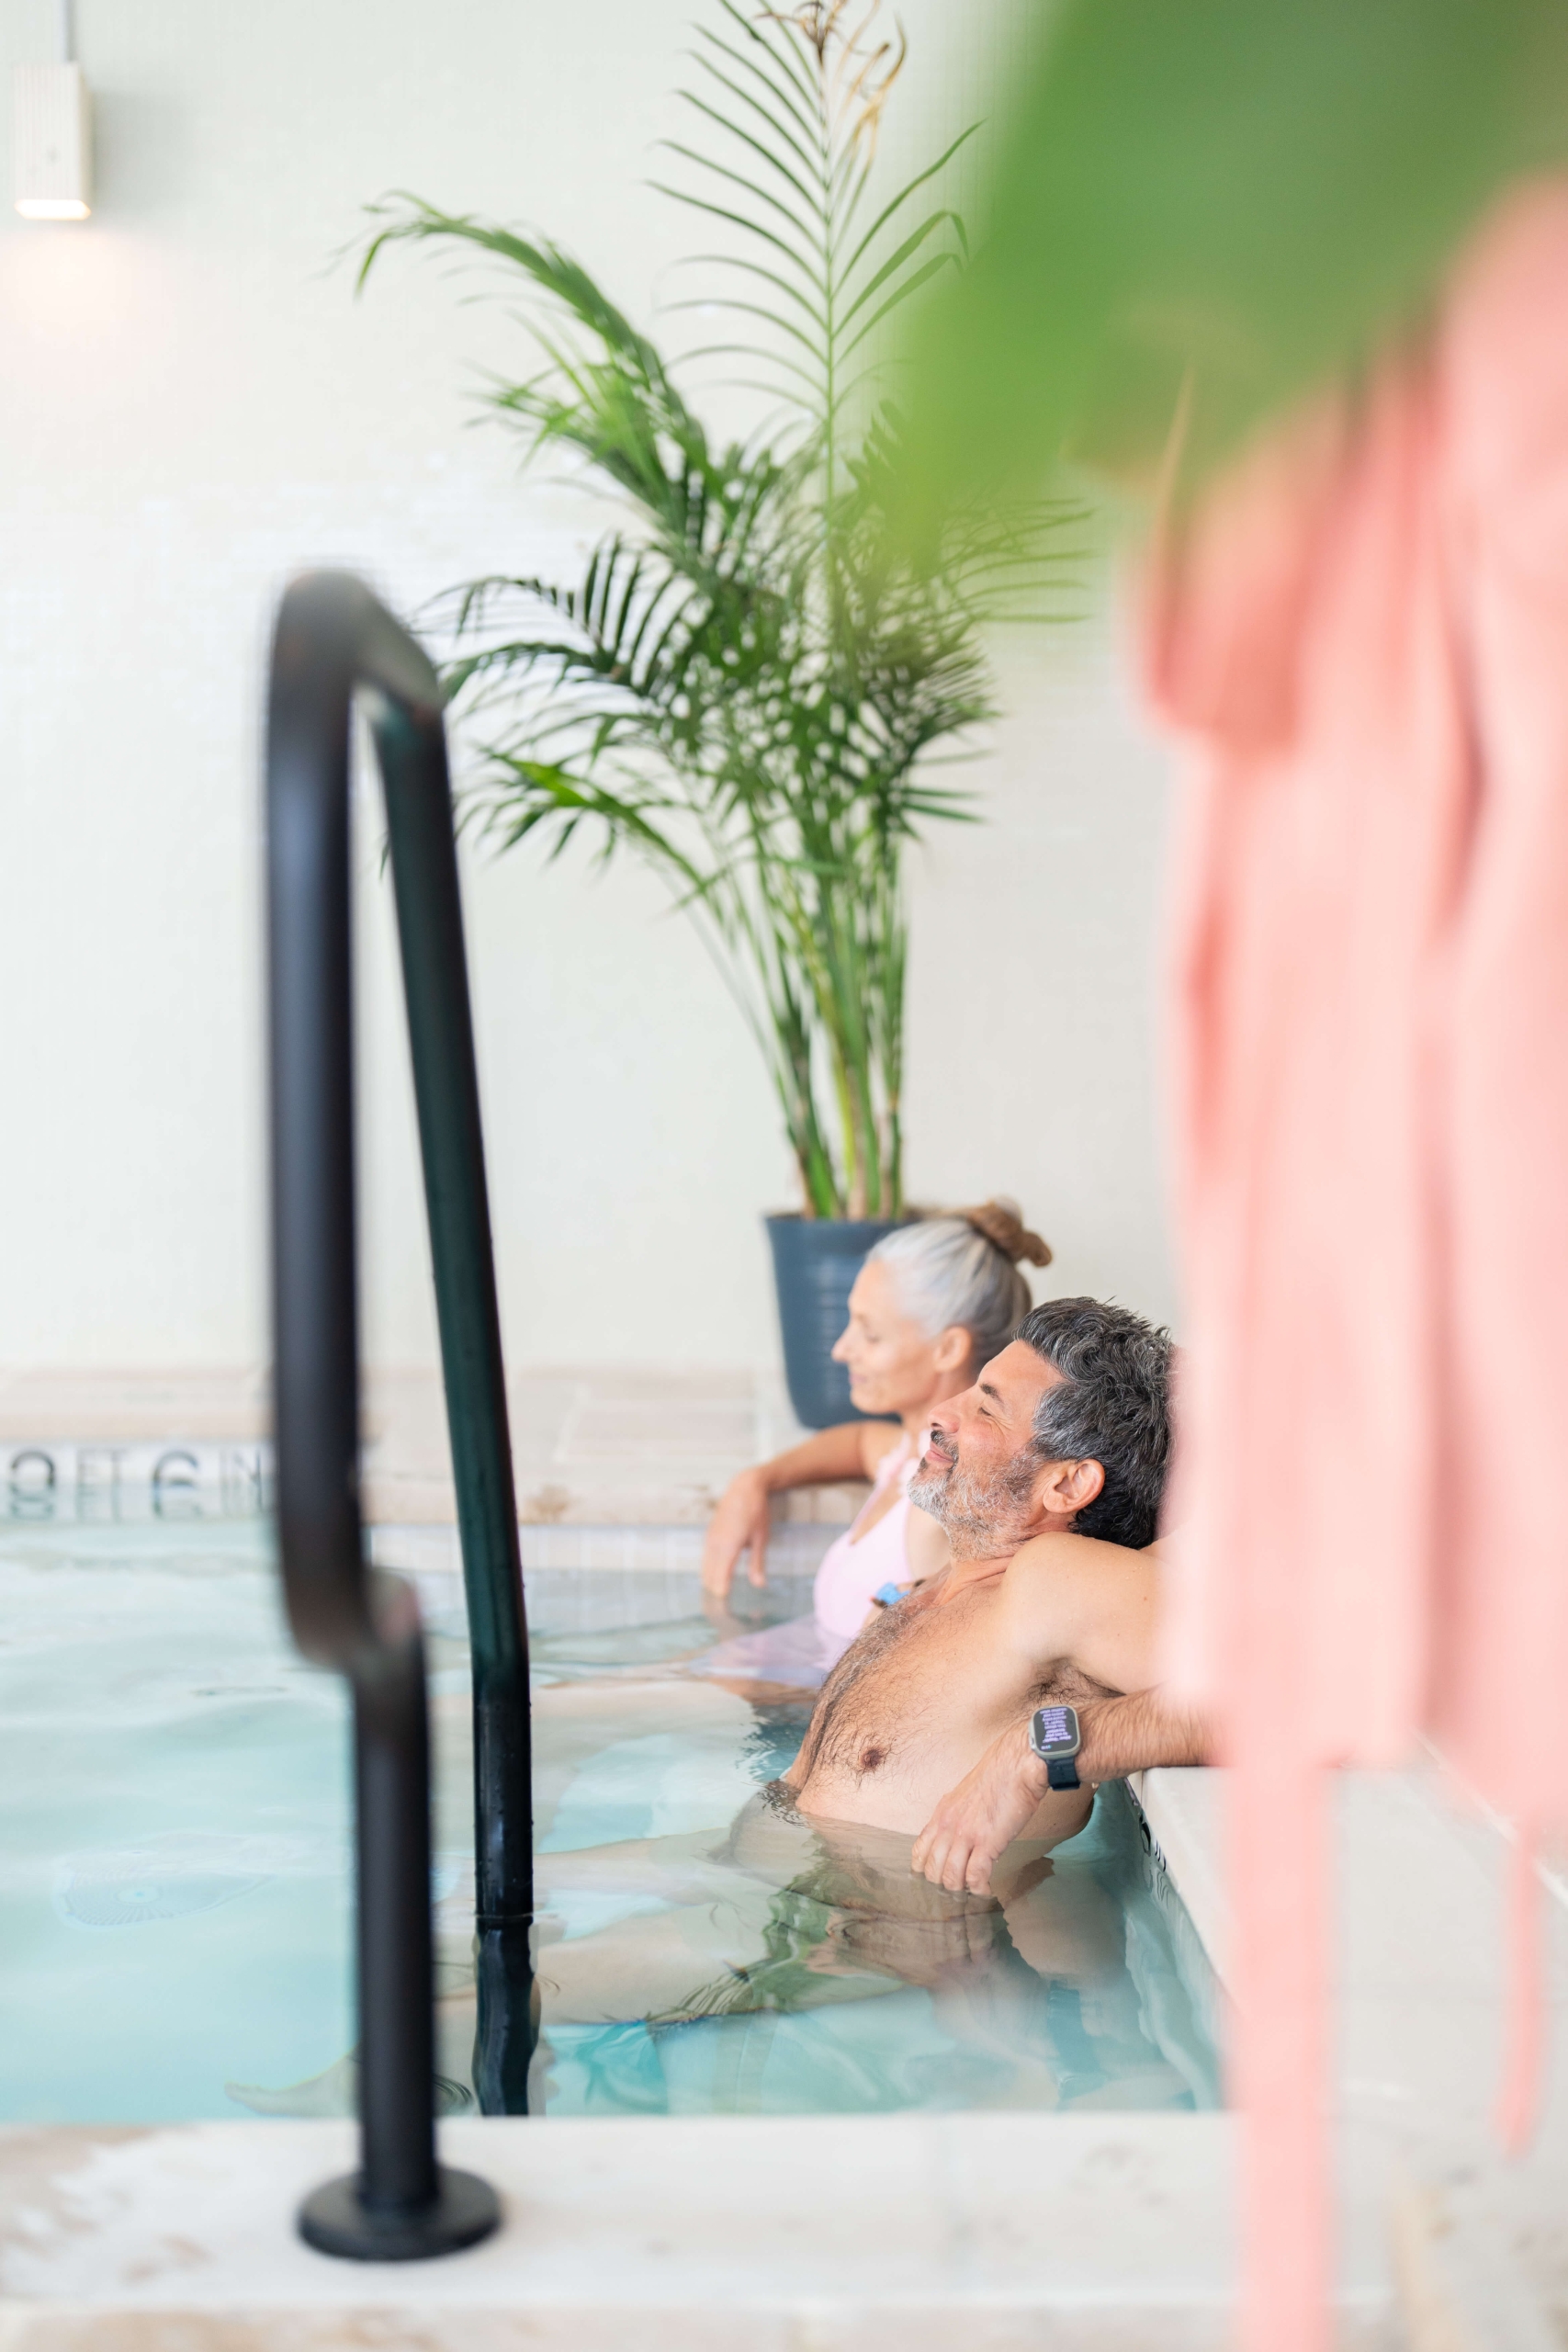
929,1678
923,1672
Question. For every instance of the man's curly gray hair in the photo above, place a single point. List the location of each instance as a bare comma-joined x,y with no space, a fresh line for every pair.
1112,1405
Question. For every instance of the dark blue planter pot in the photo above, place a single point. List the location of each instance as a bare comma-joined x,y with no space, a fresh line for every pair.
816,1261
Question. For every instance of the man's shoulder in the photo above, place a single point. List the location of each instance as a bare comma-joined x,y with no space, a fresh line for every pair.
1062,1560
1064,1595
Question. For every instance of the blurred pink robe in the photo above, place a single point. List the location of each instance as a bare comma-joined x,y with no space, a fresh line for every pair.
1364,636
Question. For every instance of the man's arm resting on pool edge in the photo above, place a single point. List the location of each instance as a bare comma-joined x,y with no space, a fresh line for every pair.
993,1803
1139,1733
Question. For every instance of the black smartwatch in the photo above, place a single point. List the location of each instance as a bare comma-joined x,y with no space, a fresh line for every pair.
1054,1735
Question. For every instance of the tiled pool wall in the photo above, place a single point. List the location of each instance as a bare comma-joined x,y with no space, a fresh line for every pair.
591,1445
45,1480
69,1481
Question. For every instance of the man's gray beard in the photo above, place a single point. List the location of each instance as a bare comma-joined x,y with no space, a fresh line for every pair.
982,1512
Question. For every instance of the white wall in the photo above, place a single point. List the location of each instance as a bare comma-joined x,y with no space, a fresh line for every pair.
192,405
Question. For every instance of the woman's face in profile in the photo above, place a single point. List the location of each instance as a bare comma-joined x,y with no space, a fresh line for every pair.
892,1362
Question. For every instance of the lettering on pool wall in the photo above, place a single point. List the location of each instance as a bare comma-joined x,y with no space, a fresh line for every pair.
65,1478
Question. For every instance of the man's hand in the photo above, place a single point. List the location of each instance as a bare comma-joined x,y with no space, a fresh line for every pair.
739,1524
976,1823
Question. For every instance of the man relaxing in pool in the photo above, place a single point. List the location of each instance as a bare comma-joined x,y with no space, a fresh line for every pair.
1046,1476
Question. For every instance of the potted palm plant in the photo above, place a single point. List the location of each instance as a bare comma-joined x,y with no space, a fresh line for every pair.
746,686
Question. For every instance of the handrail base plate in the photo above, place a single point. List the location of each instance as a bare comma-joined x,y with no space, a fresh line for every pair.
335,2220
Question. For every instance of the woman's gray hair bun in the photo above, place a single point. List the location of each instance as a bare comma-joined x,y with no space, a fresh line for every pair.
960,1267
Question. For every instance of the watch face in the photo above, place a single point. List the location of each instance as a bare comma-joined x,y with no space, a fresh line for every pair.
1055,1731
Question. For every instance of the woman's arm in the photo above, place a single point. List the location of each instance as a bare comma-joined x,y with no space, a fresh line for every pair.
739,1522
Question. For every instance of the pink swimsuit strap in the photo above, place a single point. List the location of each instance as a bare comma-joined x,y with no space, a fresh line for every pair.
855,1565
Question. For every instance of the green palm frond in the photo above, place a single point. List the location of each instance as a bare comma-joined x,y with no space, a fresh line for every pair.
746,689
794,168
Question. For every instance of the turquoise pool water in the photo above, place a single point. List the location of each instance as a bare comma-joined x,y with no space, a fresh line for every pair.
175,1930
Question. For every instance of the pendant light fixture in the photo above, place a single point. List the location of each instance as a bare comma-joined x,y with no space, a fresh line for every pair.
53,141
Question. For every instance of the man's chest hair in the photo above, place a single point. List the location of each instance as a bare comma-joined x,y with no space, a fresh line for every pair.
920,1665
895,1678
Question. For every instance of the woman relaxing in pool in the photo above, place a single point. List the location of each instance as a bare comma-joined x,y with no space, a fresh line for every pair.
932,1302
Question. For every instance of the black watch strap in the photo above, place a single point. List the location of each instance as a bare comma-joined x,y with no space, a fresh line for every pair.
1062,1773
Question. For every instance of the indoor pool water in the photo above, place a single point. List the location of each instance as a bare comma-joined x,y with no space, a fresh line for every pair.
175,1907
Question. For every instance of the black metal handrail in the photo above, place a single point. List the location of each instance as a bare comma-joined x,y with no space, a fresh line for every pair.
334,642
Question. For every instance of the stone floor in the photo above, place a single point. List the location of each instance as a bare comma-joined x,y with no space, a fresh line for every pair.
591,1447
844,2233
